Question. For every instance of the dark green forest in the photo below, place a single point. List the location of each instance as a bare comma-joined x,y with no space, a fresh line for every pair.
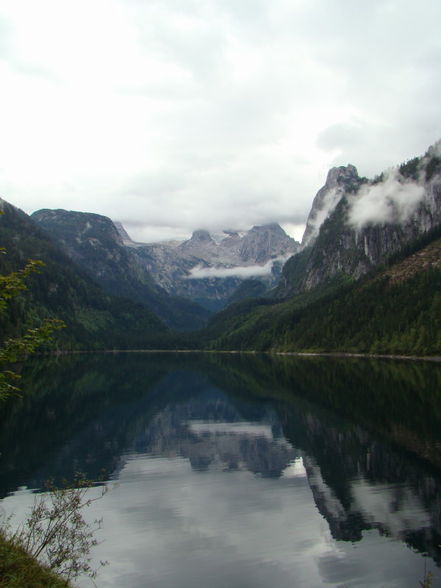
374,317
94,320
396,310
114,267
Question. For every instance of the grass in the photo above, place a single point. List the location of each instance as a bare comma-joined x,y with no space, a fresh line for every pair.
19,570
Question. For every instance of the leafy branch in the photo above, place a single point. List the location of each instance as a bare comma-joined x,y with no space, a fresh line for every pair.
12,284
13,350
56,533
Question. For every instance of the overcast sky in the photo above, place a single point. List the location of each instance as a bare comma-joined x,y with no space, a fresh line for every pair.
174,115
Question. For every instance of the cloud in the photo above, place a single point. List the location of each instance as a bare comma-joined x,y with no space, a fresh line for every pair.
391,201
250,271
209,114
340,136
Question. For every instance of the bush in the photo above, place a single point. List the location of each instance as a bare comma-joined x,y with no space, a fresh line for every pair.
56,533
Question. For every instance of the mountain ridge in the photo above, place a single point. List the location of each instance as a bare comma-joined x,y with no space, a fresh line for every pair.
368,281
369,221
95,244
366,278
94,320
209,271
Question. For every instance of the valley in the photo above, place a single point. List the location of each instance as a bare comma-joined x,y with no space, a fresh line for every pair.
268,386
365,279
220,294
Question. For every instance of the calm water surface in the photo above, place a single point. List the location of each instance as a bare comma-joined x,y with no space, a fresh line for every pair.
239,471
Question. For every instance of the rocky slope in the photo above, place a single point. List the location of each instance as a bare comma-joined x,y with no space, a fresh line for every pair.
356,224
94,243
209,270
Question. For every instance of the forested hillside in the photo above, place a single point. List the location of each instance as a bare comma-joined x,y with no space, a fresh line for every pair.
61,290
395,310
93,242
368,279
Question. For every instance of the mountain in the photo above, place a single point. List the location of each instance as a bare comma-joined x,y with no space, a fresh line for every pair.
181,282
209,270
367,278
94,320
94,243
340,180
356,224
257,246
395,310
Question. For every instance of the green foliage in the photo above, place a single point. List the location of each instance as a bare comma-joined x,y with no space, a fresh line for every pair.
92,241
293,273
378,179
251,288
320,255
18,569
375,315
14,283
433,167
94,320
15,349
410,169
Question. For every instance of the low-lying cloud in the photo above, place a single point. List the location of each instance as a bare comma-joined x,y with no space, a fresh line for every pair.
391,201
250,271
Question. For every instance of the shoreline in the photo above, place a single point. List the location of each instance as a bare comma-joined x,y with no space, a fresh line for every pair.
336,354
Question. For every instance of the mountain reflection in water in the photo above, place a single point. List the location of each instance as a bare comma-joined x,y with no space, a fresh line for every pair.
228,465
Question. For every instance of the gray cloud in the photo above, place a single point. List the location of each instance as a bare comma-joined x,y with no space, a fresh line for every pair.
171,116
341,136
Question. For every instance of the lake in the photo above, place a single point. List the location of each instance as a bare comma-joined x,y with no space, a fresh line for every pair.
238,471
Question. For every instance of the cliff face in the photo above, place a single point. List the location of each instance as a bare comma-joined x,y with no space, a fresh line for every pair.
340,180
93,241
356,224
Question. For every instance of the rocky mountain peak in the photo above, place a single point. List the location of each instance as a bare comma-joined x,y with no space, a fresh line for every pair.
200,243
339,180
264,242
340,176
356,224
270,227
202,268
201,236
